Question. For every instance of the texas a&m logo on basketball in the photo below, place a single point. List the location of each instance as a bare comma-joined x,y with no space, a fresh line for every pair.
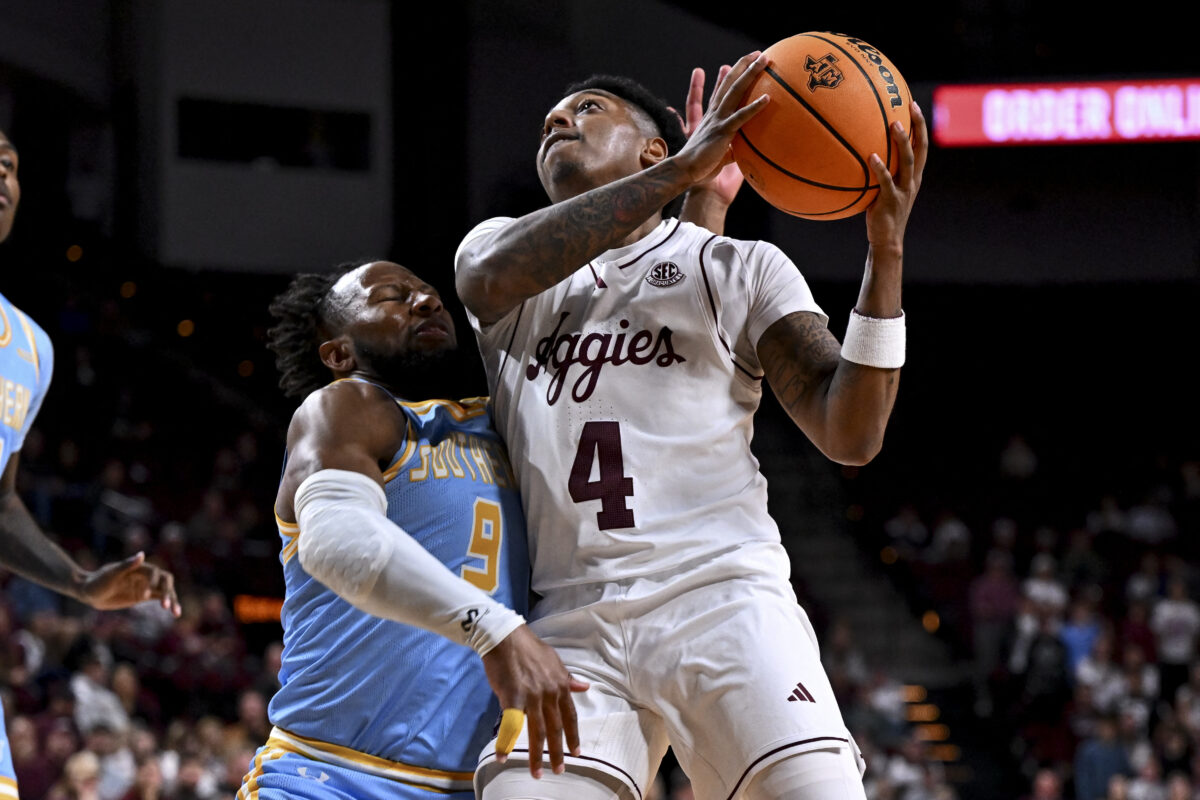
822,73
664,273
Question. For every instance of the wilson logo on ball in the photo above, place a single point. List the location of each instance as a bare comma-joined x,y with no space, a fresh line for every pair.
664,273
822,74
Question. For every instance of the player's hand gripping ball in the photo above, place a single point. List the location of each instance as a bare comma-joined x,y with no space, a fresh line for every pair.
833,98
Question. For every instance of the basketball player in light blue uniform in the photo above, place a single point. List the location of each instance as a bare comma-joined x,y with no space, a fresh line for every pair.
404,556
26,364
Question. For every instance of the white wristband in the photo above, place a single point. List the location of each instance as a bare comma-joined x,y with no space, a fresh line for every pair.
348,543
875,342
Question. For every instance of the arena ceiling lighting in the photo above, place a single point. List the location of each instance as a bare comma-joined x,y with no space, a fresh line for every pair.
1078,112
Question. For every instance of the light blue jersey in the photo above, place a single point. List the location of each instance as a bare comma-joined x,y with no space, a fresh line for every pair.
26,362
370,707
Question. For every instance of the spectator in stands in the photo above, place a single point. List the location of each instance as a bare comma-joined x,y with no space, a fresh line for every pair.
35,773
1044,588
1180,787
267,680
1145,583
1047,784
117,767
1133,630
1147,784
1082,627
907,532
149,783
95,703
1175,621
80,778
1150,522
1099,670
1082,566
993,600
844,662
1098,759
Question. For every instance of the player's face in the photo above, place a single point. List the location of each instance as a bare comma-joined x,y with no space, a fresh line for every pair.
394,315
589,139
10,187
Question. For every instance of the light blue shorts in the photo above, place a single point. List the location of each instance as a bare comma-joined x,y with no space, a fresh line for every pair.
279,772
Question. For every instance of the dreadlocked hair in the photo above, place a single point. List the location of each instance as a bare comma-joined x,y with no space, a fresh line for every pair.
304,315
664,117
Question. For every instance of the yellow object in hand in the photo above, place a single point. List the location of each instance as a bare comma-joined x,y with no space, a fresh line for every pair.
511,722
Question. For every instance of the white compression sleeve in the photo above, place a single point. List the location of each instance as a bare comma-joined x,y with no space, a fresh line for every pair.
348,543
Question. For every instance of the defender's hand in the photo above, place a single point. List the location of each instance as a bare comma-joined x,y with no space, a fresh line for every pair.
527,675
723,185
707,148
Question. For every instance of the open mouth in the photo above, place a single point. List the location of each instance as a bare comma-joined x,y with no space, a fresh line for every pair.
555,138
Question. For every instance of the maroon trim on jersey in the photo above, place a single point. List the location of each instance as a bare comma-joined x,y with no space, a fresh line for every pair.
600,284
712,304
567,756
639,256
781,748
511,339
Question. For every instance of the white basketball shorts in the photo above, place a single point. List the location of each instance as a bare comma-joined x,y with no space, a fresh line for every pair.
715,659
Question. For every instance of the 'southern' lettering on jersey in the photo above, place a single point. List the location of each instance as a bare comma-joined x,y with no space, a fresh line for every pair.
558,352
14,403
460,455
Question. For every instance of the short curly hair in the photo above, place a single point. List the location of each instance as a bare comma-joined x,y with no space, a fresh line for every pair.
664,117
304,318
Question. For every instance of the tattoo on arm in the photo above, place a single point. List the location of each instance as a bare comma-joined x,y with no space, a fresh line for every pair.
798,353
544,247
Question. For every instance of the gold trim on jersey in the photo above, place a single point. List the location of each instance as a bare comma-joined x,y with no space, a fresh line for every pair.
6,336
434,780
288,530
289,550
8,787
462,410
410,446
249,788
32,355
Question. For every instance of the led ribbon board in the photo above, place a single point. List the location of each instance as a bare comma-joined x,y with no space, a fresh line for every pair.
1078,112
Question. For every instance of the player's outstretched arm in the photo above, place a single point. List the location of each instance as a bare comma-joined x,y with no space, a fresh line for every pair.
841,396
27,551
497,271
333,488
707,203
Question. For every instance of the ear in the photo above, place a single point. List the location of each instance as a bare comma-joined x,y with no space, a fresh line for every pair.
654,151
338,355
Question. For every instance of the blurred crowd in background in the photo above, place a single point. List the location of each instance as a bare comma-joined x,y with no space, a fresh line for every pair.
1075,609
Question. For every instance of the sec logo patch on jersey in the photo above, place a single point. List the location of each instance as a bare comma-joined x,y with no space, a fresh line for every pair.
664,273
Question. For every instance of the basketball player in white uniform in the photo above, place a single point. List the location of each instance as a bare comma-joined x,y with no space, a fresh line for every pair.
625,355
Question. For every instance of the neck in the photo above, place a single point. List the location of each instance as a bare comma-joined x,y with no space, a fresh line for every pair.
643,230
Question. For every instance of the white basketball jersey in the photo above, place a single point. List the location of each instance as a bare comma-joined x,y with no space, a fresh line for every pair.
626,395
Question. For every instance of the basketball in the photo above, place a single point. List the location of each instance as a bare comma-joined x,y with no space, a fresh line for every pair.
832,99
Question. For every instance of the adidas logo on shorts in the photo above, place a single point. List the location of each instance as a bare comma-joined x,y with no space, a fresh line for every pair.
800,694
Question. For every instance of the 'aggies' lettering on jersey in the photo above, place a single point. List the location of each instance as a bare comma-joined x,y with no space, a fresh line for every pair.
557,352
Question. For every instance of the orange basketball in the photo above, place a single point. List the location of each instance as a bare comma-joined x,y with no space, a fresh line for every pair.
832,99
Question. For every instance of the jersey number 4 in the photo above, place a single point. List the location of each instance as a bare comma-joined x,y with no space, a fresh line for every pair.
601,442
